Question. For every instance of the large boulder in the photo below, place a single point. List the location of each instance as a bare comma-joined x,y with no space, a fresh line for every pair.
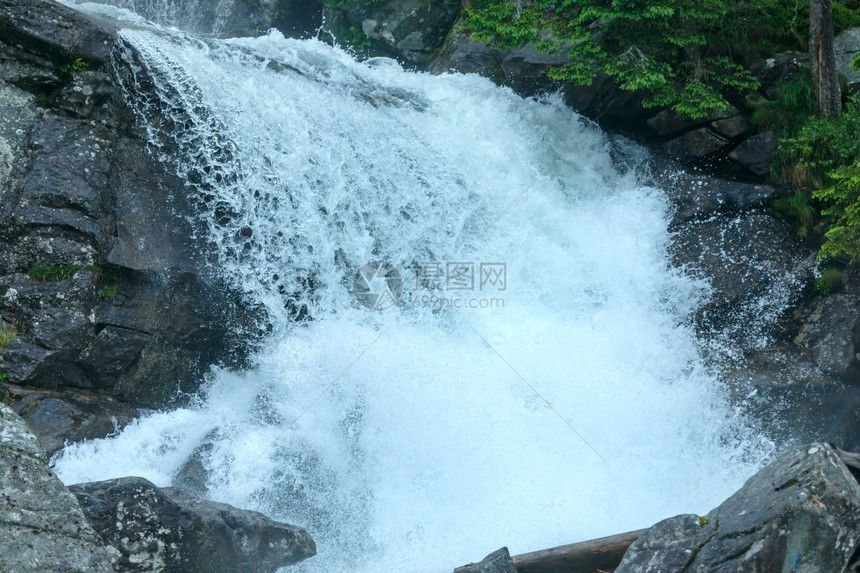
799,514
847,46
103,270
42,527
173,531
756,268
496,562
410,30
60,418
829,330
757,152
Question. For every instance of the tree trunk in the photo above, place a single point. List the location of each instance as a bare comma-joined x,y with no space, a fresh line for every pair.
823,58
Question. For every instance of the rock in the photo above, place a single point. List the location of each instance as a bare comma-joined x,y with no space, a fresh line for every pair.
42,527
525,70
756,153
779,70
460,53
140,302
409,30
496,562
756,268
57,31
695,145
847,45
58,418
696,196
669,121
171,530
731,126
800,513
829,329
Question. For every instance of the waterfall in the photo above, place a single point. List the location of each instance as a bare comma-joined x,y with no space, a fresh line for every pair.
476,336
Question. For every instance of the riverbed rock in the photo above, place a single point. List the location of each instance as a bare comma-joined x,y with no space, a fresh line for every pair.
60,418
757,152
756,268
800,513
697,196
695,145
829,329
496,562
42,527
174,531
668,121
103,270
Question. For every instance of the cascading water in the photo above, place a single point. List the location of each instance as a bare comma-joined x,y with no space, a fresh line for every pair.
556,395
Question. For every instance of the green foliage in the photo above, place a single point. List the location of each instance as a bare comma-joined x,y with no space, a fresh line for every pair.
798,211
829,281
355,41
855,62
828,151
341,3
68,70
662,47
8,333
52,273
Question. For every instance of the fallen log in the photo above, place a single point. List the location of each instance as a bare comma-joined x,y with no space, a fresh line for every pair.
584,557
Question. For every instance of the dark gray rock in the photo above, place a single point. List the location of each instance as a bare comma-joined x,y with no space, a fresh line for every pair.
696,196
801,513
668,121
731,126
829,329
42,527
172,530
695,145
847,45
56,31
80,188
756,153
460,53
58,418
756,268
779,70
496,562
409,30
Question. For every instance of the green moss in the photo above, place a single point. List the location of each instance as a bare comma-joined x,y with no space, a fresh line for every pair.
703,521
829,281
51,273
107,293
31,406
8,333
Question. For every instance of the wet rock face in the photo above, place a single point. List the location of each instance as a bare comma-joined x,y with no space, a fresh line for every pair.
99,272
42,527
57,418
800,513
410,30
174,531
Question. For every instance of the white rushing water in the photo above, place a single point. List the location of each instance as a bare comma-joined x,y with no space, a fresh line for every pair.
571,403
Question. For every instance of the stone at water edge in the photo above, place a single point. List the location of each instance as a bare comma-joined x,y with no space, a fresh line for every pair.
174,531
799,514
496,562
42,527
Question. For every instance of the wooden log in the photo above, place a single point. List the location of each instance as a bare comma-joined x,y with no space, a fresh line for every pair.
602,554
